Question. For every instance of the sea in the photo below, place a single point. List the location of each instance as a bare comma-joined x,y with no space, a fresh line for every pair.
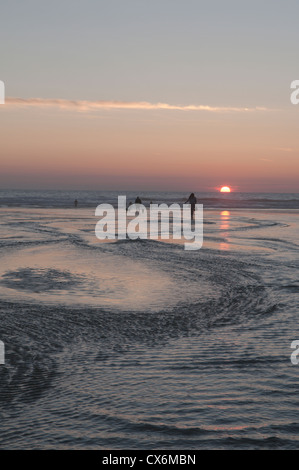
141,344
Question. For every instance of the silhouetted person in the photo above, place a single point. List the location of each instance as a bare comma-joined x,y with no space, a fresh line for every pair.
192,200
138,200
75,203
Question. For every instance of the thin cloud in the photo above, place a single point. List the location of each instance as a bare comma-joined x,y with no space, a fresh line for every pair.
81,105
285,149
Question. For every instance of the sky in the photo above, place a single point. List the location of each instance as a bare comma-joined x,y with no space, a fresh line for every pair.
162,94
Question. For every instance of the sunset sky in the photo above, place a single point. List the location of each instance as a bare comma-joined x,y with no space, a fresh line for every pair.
159,94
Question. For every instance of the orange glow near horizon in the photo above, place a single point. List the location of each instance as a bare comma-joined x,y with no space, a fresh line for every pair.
225,189
45,147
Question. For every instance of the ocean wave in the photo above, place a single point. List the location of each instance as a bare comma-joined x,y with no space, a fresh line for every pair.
91,199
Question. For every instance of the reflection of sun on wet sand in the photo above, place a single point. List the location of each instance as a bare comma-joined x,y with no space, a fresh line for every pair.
96,327
223,234
225,217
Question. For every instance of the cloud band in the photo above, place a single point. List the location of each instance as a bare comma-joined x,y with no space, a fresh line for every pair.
82,105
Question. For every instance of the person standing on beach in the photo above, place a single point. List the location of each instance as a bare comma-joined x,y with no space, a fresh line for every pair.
191,200
75,203
138,202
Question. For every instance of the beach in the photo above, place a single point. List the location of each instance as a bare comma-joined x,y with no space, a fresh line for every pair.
139,344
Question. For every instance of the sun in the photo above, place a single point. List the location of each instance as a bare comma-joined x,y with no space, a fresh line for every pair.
225,189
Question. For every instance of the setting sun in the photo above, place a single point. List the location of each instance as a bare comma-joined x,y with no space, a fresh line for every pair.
225,189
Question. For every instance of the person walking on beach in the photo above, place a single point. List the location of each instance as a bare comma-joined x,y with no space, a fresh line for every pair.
191,200
75,203
138,202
